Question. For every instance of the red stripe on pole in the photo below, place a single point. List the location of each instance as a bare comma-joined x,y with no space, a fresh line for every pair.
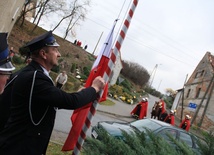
83,135
87,122
135,2
122,34
108,71
78,146
113,57
131,13
126,23
93,110
118,46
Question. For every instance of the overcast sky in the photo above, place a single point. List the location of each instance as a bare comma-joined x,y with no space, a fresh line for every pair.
174,34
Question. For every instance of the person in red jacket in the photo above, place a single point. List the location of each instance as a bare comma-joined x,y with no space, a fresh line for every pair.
162,109
145,106
185,124
140,111
170,118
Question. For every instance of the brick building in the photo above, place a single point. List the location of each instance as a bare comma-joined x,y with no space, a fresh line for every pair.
197,99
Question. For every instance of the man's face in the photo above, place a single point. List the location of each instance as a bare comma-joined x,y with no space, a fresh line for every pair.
52,56
4,76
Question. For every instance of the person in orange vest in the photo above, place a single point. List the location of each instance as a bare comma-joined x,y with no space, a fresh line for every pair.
170,118
185,124
140,111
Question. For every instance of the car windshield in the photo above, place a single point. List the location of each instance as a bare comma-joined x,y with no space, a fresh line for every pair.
144,124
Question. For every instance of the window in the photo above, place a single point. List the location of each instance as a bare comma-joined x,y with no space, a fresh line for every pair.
186,138
165,133
202,72
198,93
188,93
199,74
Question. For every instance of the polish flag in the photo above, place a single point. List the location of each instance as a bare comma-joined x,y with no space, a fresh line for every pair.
98,69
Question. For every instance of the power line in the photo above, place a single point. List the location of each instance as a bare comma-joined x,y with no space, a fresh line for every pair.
161,38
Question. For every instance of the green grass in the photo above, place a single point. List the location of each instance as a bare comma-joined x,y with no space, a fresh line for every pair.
55,149
107,103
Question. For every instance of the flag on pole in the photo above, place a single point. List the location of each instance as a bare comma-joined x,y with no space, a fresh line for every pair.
106,76
79,115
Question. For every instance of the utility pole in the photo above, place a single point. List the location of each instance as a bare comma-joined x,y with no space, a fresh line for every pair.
208,101
199,106
159,85
182,102
97,43
153,74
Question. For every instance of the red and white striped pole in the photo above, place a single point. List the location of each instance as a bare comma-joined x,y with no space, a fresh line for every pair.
106,76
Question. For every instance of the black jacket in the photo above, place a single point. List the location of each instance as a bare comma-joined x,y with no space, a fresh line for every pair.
29,127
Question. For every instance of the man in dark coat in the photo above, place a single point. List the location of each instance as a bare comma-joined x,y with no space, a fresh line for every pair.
6,66
34,100
6,69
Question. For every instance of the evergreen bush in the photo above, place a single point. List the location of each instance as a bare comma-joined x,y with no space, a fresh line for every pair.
137,143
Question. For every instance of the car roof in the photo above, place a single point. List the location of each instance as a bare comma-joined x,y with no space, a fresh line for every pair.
114,128
153,124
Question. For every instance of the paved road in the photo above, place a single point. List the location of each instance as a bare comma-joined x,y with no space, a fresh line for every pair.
124,109
119,111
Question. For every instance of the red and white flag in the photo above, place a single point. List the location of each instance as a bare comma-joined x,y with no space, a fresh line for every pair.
79,115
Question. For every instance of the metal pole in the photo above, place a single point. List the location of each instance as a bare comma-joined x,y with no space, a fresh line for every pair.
153,72
97,43
107,73
182,102
198,108
159,85
205,108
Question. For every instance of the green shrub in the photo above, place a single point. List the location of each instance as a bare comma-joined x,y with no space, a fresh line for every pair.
17,60
24,51
126,84
73,67
134,144
91,58
55,69
86,71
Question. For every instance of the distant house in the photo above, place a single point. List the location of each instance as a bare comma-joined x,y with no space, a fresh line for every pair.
197,100
10,10
116,70
177,98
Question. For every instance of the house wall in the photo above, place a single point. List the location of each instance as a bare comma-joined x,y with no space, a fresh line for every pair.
176,100
116,71
10,9
199,81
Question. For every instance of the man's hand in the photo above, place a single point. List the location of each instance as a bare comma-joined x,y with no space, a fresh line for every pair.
98,83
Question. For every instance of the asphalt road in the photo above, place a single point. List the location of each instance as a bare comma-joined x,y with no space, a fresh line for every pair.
118,112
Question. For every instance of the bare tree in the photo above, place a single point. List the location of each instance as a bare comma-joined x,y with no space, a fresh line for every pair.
38,12
47,7
71,25
75,13
29,6
171,92
136,73
42,11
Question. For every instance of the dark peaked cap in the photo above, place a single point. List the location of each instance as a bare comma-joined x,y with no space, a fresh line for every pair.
5,64
46,39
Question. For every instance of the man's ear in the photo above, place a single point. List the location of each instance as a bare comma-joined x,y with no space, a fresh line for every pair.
42,53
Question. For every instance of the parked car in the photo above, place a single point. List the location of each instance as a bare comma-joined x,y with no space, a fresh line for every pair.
155,126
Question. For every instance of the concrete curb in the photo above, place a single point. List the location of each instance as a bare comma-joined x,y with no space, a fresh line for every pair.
114,114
